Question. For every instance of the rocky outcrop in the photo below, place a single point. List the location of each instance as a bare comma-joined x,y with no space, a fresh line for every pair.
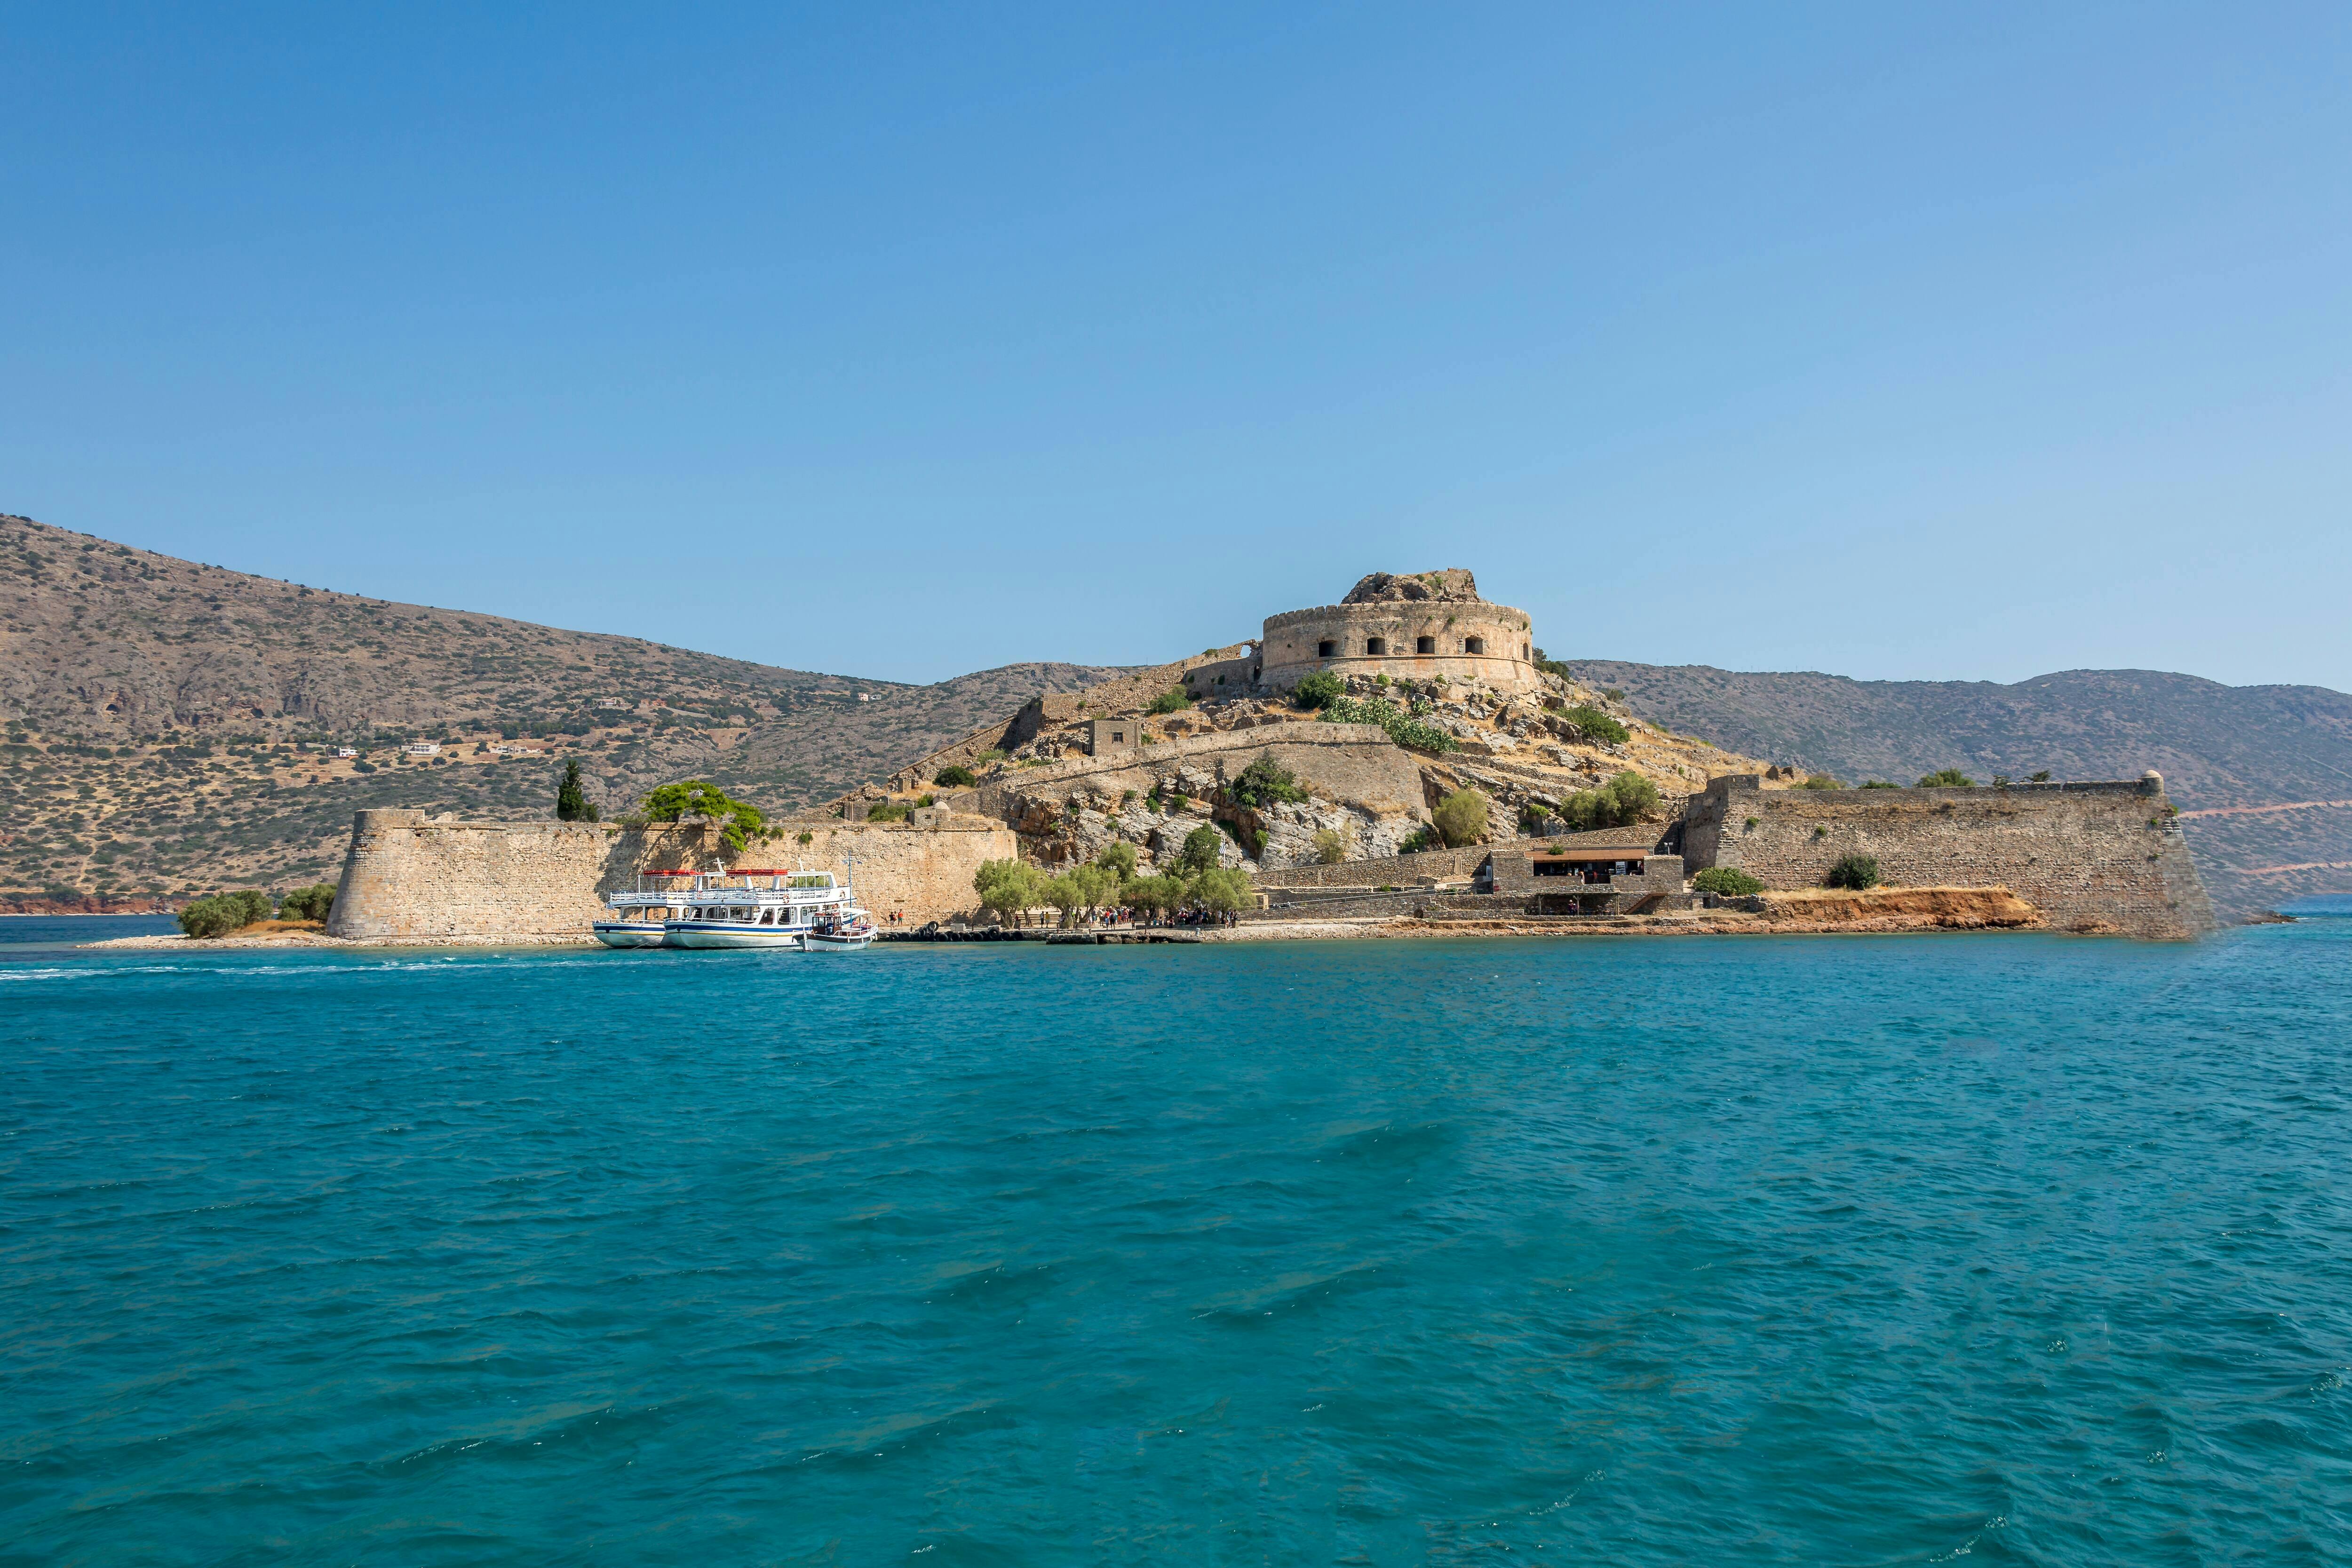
1357,784
1452,585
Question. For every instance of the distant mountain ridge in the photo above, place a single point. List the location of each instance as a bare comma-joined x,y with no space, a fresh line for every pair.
2219,748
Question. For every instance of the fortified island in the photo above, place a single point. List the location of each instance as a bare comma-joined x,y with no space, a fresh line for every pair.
1321,751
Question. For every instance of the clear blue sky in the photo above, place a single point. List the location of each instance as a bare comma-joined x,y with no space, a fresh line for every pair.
903,342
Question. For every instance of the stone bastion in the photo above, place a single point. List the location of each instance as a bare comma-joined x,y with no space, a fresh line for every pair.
1415,627
2105,856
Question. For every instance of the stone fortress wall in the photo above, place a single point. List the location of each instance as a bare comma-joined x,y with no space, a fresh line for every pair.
1489,644
1416,625
2091,856
918,870
406,877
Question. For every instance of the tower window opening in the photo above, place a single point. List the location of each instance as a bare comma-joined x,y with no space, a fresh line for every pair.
1425,645
1474,645
1325,648
1376,644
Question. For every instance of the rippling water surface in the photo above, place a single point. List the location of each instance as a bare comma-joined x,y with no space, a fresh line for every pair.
1850,1251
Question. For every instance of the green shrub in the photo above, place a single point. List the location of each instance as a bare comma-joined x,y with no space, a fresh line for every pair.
1822,781
955,777
1009,886
224,913
1461,818
1881,784
2042,777
206,917
1947,778
310,903
1118,859
1614,695
1422,837
1727,880
1405,729
1625,799
888,811
1316,689
1263,783
1552,667
572,802
1330,846
1596,726
1222,891
1201,849
698,798
1149,893
1856,871
1170,701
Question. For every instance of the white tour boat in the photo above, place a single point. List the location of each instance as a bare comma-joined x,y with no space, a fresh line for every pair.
639,915
734,908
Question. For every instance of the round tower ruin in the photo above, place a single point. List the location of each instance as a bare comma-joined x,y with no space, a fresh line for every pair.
1411,628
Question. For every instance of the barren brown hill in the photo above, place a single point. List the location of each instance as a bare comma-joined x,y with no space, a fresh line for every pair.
174,726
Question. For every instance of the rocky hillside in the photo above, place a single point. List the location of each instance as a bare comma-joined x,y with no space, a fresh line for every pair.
2263,774
1529,754
172,727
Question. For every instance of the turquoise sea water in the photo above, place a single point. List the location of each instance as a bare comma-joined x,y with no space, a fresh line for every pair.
1831,1251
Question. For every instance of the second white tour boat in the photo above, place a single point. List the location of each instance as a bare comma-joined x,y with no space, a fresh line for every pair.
737,909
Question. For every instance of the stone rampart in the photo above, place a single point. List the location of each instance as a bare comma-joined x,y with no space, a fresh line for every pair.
408,878
405,876
2091,856
1391,871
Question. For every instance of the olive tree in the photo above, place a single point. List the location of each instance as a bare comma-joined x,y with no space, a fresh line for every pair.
1461,818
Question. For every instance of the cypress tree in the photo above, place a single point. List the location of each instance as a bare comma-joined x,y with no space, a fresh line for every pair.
572,802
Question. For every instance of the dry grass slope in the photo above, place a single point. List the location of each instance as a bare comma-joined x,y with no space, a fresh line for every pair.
171,726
